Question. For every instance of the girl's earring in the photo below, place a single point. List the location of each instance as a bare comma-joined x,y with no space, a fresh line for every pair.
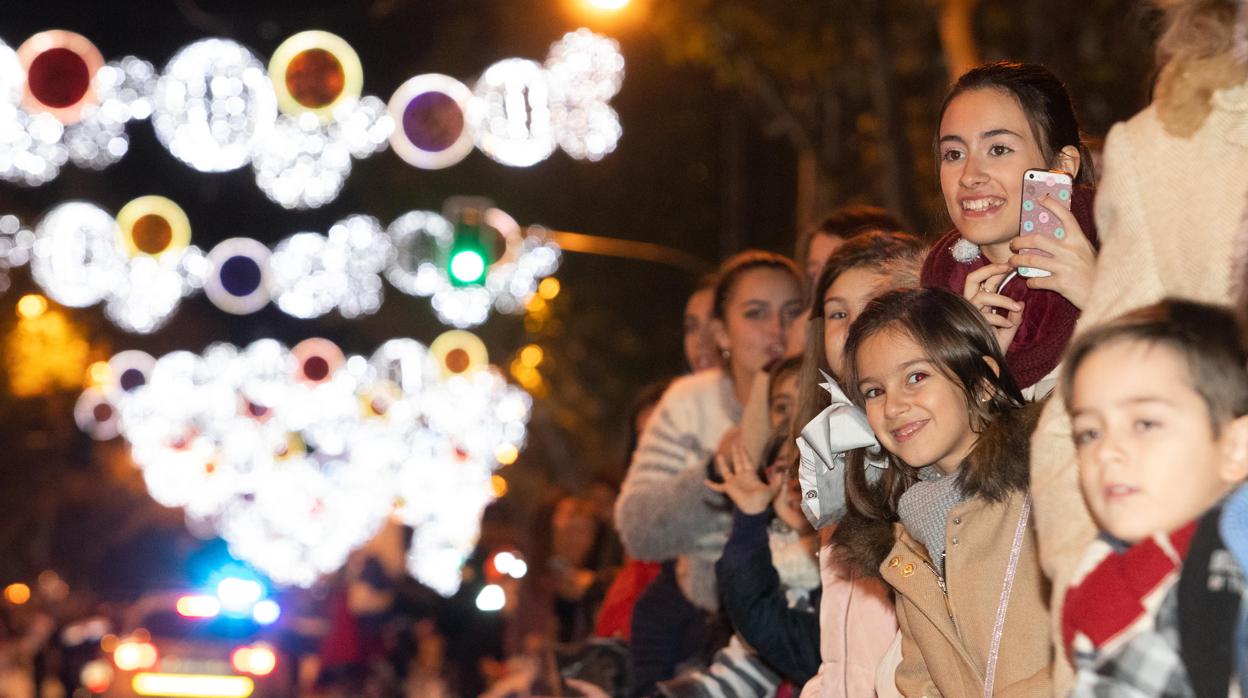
724,354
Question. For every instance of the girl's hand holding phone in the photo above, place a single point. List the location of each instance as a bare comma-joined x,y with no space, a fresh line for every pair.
1002,312
741,482
1071,261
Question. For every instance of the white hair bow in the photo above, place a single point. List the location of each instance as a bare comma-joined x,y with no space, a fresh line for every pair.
823,445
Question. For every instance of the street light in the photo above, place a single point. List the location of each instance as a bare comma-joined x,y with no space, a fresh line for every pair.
608,5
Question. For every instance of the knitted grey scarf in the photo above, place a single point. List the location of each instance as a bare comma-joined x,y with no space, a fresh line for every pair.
925,507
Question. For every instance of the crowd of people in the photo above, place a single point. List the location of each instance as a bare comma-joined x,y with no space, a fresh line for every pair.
1007,462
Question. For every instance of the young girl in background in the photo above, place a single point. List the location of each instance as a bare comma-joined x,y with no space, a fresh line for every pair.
852,605
947,525
998,121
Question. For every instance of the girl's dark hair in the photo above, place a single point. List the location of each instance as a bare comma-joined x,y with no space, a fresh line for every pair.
733,268
646,398
1044,100
778,369
847,222
878,251
957,339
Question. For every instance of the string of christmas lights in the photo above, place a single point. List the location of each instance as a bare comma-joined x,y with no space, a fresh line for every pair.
301,121
140,263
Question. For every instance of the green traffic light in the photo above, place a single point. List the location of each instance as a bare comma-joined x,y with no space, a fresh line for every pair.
467,267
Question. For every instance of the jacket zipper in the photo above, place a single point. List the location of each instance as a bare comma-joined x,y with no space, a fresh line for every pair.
944,589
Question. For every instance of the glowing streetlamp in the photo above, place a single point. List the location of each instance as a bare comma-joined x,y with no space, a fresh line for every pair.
607,5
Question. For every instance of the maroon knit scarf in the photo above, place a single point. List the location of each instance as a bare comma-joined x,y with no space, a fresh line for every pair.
1048,318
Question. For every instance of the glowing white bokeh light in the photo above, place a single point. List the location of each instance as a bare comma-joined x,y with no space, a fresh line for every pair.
586,70
213,104
125,90
237,593
491,598
312,274
419,238
510,113
305,161
76,257
12,76
266,612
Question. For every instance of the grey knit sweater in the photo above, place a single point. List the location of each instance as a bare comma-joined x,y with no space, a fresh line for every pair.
665,510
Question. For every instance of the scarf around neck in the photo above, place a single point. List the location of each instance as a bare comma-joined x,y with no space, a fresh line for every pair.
1048,319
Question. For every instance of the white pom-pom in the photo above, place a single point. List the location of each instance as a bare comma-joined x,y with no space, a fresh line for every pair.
964,251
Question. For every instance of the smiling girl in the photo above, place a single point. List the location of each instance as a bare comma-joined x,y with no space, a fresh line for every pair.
999,121
948,524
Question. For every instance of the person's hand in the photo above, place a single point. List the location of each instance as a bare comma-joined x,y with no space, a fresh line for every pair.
981,290
741,483
1073,260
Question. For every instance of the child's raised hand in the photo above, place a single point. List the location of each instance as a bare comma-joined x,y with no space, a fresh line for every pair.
1073,260
741,484
981,290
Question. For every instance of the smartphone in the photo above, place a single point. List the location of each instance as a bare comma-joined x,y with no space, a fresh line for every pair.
1036,219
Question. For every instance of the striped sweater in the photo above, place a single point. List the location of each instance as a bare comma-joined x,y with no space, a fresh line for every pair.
665,510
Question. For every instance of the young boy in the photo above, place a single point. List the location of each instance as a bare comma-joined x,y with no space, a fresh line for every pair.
1158,400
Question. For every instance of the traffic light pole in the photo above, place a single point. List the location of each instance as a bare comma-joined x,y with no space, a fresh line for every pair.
630,249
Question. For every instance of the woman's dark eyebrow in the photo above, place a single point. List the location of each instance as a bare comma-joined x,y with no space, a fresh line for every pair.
986,134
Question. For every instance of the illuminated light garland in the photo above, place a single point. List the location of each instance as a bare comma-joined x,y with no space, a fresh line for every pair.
291,458
216,108
141,266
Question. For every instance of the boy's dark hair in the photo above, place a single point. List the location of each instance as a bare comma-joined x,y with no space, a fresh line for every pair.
1205,336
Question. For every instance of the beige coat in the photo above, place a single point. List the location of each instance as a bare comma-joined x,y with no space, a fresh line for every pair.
1167,211
954,631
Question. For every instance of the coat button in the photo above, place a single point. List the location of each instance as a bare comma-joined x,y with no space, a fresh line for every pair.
957,520
955,540
895,561
908,569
